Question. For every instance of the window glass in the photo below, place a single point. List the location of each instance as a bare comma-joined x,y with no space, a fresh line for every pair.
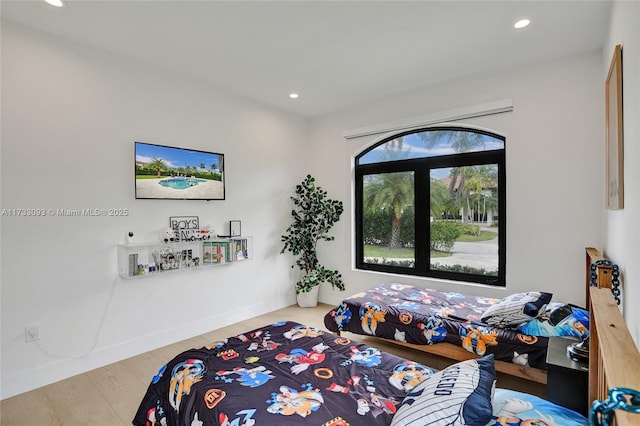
430,143
463,208
431,202
388,220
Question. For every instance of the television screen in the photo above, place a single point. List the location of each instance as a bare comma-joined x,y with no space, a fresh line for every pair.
164,172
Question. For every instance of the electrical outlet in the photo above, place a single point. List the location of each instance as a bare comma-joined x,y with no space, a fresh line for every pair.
32,334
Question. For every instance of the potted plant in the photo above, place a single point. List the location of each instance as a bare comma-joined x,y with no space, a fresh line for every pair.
314,214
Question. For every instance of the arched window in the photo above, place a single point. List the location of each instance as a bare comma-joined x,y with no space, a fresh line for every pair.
431,202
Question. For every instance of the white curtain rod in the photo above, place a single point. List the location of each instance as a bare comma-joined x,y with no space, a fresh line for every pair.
480,110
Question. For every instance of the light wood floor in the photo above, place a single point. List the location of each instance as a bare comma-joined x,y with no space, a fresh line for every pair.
109,396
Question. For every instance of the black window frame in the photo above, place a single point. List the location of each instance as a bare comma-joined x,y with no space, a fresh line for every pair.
421,167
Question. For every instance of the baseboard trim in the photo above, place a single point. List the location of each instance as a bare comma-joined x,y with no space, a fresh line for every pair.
28,380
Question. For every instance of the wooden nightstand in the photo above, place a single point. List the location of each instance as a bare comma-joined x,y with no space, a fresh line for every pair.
567,380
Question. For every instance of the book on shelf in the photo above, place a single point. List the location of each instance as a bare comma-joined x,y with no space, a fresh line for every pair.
219,252
224,251
240,249
207,253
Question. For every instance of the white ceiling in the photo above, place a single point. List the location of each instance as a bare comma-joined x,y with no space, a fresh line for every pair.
335,54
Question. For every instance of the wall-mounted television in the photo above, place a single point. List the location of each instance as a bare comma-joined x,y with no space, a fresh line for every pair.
171,173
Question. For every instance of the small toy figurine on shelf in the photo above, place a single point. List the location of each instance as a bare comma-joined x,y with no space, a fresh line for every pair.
170,235
167,259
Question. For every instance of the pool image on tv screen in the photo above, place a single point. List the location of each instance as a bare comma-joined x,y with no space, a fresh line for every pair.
164,172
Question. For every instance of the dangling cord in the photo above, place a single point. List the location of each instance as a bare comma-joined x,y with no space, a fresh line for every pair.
618,399
615,277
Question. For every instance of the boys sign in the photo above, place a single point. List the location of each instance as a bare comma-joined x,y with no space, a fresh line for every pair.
184,226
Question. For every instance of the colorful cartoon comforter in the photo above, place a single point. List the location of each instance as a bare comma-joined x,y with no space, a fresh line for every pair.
282,374
291,374
425,316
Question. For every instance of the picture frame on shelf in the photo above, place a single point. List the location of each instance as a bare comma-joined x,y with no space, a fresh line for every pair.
235,228
614,133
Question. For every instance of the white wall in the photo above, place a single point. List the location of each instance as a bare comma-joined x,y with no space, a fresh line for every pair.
554,161
622,227
69,119
70,116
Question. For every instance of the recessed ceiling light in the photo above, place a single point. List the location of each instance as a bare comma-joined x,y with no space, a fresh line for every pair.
293,95
521,23
56,3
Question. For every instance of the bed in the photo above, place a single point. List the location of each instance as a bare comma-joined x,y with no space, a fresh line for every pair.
456,326
288,373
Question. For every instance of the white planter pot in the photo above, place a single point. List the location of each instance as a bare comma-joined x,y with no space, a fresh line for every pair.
308,299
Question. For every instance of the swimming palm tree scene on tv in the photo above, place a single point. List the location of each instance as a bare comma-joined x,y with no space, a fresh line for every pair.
164,172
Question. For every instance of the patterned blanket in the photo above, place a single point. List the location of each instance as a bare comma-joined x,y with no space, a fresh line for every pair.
425,316
280,374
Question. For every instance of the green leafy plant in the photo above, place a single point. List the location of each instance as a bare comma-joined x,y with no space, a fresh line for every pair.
314,214
444,234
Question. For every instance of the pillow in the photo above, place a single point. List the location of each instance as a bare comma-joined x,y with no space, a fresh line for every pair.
458,395
525,409
559,320
516,309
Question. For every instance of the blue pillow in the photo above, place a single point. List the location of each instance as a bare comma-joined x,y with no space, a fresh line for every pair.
573,322
458,395
512,407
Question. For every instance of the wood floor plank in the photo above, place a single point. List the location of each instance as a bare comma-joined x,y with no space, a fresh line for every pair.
78,402
120,387
144,366
30,408
230,330
110,395
169,351
307,316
